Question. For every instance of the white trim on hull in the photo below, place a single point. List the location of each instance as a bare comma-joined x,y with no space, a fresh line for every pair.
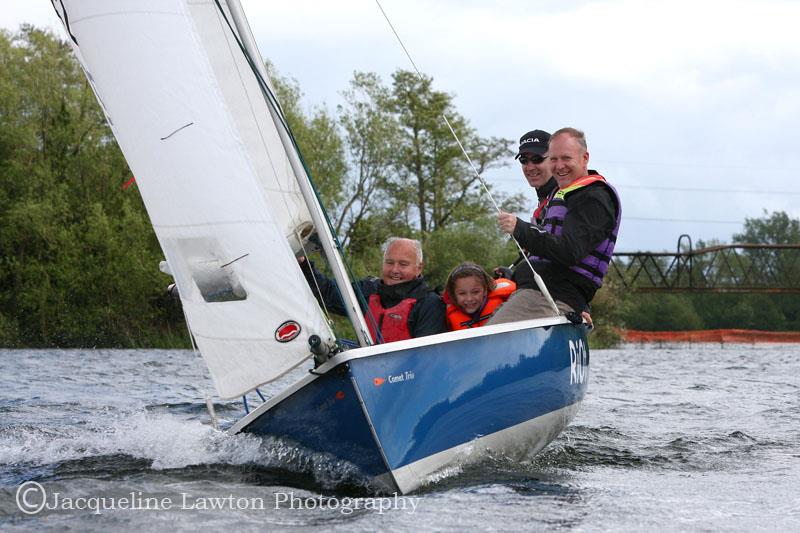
523,440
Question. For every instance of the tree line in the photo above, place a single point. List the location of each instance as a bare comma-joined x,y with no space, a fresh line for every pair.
78,256
76,250
385,163
762,311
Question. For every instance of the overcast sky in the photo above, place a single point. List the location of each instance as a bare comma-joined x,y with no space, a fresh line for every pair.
689,107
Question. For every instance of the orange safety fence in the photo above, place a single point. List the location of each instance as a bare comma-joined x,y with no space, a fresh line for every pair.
744,336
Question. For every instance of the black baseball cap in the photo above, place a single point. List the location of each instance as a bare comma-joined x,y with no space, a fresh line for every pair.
534,142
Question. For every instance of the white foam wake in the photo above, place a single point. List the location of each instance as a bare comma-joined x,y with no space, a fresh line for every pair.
169,443
166,440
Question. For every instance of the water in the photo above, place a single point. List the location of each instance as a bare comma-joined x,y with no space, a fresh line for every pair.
697,438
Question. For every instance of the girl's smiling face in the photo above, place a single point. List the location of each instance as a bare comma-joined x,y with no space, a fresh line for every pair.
470,294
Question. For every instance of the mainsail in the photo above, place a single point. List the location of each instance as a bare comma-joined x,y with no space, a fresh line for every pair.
190,117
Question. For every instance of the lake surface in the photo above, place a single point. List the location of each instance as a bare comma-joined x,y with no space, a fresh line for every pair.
681,438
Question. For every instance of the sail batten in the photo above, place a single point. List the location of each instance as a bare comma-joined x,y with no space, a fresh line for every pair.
193,124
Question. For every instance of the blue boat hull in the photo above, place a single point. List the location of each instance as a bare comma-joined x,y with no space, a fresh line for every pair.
414,407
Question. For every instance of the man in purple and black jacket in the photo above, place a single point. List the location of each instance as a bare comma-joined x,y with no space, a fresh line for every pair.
572,248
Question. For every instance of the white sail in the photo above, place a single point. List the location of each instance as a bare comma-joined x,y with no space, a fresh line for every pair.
190,118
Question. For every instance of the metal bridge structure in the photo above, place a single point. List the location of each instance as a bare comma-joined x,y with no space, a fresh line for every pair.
733,268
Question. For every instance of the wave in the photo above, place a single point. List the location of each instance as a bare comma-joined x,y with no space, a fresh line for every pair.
130,443
584,448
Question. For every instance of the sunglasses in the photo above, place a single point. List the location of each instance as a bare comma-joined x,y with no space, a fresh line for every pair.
535,159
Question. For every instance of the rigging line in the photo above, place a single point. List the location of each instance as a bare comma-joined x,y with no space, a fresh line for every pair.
703,189
536,277
64,20
209,403
262,83
261,134
685,220
321,300
444,117
695,165
687,189
272,100
447,122
665,188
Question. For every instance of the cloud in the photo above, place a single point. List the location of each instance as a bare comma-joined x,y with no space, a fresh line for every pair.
670,94
681,93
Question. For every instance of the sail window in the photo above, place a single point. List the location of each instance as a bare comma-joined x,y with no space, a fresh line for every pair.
213,273
217,283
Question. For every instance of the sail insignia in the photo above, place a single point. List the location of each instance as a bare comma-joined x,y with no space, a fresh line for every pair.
288,331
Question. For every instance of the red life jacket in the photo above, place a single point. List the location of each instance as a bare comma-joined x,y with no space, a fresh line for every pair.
538,213
458,319
392,322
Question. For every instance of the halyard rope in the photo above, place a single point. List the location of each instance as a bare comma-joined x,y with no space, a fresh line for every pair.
536,277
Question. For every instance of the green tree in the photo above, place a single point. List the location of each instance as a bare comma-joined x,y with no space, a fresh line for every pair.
370,133
475,241
609,308
779,264
78,258
775,228
740,311
318,137
730,310
662,312
433,178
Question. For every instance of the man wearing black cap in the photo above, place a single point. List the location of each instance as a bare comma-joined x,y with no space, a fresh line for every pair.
536,169
538,172
572,249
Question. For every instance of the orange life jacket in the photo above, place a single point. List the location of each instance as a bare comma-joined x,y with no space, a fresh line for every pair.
392,322
458,319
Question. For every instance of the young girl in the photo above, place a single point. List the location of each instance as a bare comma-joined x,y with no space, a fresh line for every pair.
472,296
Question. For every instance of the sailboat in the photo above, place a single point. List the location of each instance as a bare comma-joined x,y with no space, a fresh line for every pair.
187,97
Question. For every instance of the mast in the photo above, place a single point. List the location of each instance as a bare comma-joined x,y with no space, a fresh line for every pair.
315,209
